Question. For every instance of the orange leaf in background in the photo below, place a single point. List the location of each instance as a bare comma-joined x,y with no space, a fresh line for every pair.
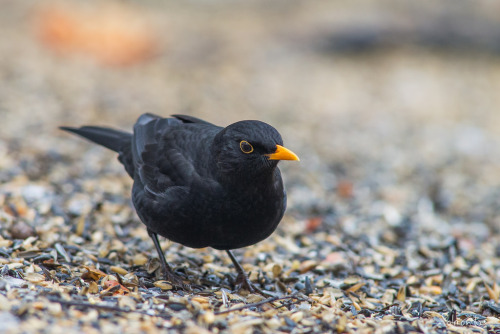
334,258
112,35
345,189
313,223
93,274
16,208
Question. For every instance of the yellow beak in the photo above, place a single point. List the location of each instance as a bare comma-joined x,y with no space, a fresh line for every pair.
282,153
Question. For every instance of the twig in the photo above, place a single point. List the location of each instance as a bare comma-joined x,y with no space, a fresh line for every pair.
262,302
105,307
89,305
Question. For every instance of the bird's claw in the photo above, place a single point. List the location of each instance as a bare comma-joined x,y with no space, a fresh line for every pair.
176,281
244,283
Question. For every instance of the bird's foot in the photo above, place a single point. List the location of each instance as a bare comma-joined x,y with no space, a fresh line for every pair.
179,283
176,280
244,283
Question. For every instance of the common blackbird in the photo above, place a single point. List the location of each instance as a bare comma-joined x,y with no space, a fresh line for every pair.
199,184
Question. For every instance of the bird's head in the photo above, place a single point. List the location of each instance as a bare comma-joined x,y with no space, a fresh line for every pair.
249,148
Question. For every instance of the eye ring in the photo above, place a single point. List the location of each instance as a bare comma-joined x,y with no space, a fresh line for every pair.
246,147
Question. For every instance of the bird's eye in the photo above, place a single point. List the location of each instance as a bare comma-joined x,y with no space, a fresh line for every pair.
246,147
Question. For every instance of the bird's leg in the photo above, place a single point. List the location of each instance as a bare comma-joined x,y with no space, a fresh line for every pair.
242,280
168,273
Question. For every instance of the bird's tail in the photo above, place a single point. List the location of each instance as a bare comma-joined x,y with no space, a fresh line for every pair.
107,137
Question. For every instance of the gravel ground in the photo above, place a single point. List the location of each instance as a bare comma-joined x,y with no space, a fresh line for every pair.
393,220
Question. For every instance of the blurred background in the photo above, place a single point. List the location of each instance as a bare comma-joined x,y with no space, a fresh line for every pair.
393,106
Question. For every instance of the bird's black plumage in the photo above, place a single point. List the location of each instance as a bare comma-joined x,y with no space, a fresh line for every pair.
199,184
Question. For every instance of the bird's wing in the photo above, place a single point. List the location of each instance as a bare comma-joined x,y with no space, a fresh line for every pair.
162,154
190,119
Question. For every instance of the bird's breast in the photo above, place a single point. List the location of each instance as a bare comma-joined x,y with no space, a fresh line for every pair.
247,218
223,218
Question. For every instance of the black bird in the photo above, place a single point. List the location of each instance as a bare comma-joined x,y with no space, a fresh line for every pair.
199,184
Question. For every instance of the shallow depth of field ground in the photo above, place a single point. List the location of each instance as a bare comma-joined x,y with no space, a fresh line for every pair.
393,220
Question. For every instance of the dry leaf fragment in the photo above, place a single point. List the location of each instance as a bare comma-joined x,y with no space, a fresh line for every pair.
356,287
93,274
164,285
493,292
139,259
114,288
432,290
118,270
34,278
93,287
401,296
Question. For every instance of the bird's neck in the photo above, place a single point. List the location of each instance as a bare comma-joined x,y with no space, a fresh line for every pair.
242,181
